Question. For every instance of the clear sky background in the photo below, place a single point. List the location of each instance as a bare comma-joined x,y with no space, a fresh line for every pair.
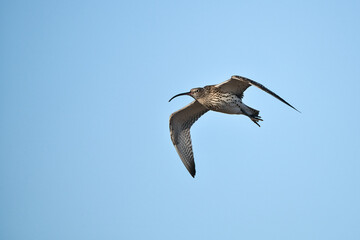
85,151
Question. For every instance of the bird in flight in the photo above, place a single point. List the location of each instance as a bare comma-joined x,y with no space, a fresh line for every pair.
225,97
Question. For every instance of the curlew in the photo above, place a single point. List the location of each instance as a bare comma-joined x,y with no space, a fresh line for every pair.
225,97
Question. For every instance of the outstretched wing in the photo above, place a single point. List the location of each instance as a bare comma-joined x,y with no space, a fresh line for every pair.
180,124
237,85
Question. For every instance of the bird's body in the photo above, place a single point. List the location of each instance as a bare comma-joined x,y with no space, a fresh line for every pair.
219,101
225,97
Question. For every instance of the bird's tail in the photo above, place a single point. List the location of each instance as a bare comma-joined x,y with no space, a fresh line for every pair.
254,115
254,112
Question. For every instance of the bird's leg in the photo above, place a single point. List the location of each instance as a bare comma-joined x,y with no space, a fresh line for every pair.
255,119
256,123
252,113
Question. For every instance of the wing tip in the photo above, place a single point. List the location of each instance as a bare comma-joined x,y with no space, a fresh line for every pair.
191,170
240,77
293,108
192,173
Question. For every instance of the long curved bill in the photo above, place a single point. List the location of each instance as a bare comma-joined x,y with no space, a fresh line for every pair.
187,93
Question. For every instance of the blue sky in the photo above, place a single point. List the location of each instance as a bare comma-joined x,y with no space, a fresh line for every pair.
85,151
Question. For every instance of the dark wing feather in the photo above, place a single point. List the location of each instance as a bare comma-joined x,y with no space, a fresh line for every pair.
180,124
237,85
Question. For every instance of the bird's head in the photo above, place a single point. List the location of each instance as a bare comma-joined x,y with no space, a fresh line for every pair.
196,93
